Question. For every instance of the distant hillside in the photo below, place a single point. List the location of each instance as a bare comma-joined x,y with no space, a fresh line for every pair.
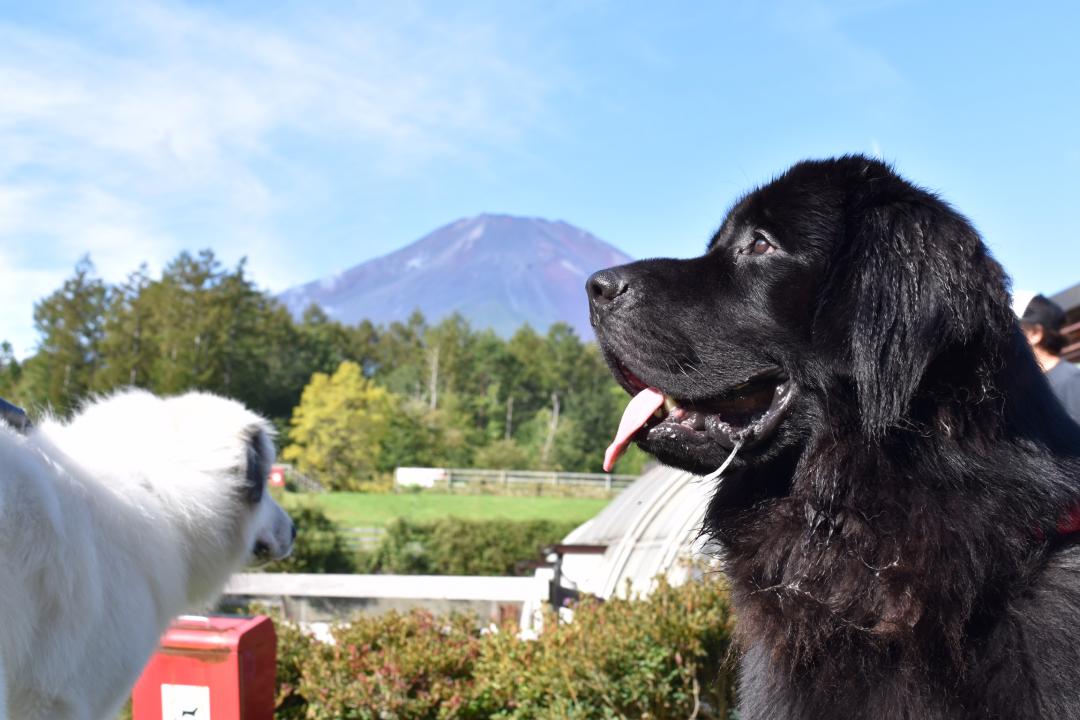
498,271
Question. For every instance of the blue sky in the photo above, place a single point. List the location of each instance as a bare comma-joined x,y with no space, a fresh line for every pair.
312,137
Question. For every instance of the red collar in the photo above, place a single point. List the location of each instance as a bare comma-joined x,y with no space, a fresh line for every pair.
1070,523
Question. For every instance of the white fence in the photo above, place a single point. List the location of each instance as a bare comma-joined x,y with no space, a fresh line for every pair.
452,478
416,587
319,599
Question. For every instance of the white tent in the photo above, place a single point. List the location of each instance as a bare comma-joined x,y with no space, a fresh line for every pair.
652,528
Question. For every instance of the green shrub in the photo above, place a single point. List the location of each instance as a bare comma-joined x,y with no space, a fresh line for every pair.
405,549
319,548
293,650
452,546
658,658
400,666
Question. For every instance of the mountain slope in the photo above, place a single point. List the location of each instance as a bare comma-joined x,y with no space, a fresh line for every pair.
498,271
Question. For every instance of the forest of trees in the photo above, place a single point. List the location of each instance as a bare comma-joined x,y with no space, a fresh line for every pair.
410,393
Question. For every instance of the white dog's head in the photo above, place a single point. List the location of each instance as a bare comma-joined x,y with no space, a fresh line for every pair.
274,532
197,462
232,448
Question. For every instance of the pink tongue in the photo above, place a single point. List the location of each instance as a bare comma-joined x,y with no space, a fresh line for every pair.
637,412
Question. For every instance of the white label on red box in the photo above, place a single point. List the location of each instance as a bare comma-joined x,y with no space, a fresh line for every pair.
185,702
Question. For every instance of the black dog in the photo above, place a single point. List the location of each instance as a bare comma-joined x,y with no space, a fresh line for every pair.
896,520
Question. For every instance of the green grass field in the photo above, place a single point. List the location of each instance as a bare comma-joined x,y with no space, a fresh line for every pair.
364,509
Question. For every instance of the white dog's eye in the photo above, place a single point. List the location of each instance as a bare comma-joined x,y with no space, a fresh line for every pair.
761,244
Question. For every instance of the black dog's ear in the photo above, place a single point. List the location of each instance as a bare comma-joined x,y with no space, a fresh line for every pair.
921,282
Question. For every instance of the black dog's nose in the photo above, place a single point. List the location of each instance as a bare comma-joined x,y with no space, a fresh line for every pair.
605,286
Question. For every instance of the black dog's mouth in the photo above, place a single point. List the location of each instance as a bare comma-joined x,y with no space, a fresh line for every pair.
745,414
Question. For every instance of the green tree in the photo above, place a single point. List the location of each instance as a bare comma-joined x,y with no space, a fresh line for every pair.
10,371
70,327
339,428
569,410
482,381
504,454
129,348
211,326
399,360
526,378
322,344
421,436
592,402
201,326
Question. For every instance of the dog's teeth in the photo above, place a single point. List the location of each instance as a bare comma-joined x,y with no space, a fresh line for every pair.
666,408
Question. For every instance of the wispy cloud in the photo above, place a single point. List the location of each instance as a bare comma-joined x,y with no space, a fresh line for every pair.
153,125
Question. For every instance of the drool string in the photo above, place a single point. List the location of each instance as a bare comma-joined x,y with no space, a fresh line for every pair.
720,470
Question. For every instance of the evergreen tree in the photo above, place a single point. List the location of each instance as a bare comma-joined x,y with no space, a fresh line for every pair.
129,348
70,327
10,372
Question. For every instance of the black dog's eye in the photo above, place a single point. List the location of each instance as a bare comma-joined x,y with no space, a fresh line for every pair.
761,244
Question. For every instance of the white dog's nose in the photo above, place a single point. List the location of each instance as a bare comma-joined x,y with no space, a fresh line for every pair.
274,531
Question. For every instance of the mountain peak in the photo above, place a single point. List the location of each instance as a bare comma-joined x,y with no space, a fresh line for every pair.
498,271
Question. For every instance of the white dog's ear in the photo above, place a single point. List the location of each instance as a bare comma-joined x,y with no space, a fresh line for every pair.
259,456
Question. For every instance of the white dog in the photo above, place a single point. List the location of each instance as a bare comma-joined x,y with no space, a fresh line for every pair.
112,524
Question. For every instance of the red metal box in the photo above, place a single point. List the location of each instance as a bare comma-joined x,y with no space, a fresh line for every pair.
210,668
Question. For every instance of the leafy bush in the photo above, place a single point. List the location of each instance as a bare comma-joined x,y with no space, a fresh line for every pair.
319,548
401,666
293,650
658,658
452,546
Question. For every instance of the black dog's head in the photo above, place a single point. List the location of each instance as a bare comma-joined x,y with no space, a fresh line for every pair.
837,298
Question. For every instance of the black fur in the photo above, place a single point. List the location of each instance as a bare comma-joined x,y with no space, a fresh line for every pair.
892,546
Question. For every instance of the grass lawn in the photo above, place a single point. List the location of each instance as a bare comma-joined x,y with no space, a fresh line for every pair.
365,509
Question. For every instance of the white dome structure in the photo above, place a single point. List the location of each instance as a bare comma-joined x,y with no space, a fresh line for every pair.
652,528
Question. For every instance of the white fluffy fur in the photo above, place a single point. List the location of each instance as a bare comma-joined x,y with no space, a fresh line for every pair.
111,525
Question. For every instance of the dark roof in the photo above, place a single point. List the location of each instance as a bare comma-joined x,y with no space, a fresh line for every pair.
1069,298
